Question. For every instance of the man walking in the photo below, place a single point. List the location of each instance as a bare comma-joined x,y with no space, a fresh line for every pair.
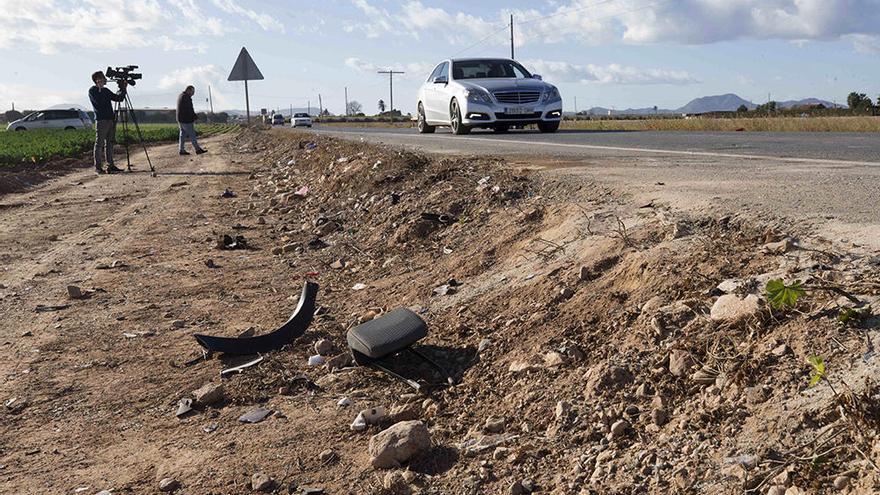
186,117
105,128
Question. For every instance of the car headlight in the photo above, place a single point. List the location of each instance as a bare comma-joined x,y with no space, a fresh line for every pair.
551,94
477,96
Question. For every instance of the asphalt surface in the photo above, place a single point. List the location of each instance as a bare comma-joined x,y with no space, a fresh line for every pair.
822,183
854,147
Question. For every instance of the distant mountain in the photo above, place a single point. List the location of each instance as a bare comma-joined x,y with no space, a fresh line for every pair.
719,103
806,102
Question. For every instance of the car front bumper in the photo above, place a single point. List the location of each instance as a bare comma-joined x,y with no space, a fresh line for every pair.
492,114
306,123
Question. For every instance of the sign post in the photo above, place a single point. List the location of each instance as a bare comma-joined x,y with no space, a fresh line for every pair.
245,70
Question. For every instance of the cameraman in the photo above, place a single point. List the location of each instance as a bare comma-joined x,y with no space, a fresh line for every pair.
186,117
105,128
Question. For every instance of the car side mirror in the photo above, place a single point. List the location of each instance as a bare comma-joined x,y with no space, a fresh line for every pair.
537,76
441,80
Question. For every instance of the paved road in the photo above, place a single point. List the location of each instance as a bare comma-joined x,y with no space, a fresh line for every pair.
825,182
850,147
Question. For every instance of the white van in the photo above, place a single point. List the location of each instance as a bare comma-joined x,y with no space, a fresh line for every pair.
52,119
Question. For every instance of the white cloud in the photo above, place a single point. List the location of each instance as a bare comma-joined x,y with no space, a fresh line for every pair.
869,45
31,98
106,25
265,21
640,22
608,74
413,70
201,77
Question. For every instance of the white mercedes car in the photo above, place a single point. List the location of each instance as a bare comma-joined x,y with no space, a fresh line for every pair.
489,93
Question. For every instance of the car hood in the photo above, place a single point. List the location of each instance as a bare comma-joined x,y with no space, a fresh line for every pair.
498,84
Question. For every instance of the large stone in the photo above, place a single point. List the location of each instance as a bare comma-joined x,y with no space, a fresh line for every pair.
399,443
730,308
208,394
168,485
323,347
261,482
780,247
680,362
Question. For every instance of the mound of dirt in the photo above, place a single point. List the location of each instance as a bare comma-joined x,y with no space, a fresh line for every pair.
596,346
579,323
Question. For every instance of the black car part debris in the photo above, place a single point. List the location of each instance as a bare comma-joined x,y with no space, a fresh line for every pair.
294,327
227,242
440,218
241,367
397,331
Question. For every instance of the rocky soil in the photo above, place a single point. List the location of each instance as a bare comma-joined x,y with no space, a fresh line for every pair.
597,346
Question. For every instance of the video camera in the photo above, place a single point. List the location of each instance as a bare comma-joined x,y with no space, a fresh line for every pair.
124,74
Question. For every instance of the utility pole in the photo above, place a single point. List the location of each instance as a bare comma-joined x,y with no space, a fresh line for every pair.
391,73
575,107
291,112
511,38
211,99
346,101
320,106
310,107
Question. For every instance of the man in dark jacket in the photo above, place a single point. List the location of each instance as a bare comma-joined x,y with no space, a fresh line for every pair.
186,117
105,127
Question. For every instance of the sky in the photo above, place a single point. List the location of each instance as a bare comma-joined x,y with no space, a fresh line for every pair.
611,53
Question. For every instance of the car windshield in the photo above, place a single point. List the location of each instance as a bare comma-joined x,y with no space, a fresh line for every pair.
301,115
484,69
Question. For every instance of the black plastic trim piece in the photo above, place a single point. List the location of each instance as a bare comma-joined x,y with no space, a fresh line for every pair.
294,327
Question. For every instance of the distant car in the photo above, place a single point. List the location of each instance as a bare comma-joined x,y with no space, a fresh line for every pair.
278,119
493,93
301,119
52,119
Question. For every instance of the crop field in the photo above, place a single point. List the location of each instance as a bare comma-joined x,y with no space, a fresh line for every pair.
43,145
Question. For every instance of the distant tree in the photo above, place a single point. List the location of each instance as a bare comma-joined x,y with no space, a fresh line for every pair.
325,113
742,109
354,107
12,115
655,109
381,106
768,107
858,101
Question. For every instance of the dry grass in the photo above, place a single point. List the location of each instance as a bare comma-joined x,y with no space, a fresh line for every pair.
774,124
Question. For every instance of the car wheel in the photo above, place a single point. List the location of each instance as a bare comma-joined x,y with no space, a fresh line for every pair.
21,128
548,127
455,119
501,129
423,126
70,128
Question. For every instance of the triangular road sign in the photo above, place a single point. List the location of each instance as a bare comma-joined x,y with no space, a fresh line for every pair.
245,69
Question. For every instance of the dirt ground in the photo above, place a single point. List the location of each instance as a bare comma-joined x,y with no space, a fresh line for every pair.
579,329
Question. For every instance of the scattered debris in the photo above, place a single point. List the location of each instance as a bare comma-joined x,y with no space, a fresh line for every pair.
255,416
41,308
184,407
241,367
75,292
261,482
228,242
209,394
316,360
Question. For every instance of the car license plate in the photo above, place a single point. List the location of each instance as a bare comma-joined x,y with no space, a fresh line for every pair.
519,111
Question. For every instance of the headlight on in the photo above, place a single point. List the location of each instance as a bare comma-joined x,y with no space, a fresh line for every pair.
478,96
551,94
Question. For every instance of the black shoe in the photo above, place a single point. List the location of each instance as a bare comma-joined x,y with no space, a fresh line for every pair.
113,169
201,151
183,153
99,171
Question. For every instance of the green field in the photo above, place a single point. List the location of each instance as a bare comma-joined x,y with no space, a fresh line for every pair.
44,145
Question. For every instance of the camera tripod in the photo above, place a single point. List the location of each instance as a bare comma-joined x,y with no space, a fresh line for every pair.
124,113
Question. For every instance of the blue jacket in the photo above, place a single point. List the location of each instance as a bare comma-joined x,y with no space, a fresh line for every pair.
102,101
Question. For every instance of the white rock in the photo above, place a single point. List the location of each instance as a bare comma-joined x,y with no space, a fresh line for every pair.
168,485
729,308
316,360
398,444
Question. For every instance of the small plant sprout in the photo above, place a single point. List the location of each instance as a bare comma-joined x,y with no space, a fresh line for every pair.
819,372
784,296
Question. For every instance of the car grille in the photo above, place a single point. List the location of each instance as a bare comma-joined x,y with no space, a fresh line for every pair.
517,97
528,116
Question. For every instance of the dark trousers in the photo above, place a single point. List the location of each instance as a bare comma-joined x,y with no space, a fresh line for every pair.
105,138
